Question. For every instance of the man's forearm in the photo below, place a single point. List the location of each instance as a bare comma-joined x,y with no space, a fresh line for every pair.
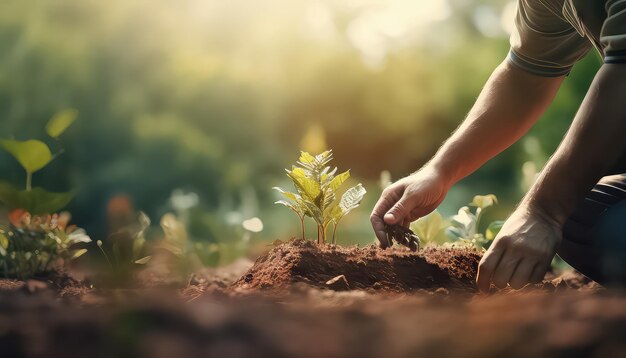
509,104
596,139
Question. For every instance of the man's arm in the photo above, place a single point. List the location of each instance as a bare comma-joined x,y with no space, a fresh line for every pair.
597,138
509,104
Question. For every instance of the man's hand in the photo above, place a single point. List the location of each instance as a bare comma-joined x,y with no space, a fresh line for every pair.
407,200
522,251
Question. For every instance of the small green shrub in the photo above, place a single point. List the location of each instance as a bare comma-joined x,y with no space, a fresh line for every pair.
189,256
318,186
32,245
462,228
128,249
36,239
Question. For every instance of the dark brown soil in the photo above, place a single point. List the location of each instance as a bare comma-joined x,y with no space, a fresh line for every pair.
391,270
388,303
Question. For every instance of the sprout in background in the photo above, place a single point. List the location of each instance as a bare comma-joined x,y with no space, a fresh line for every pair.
128,249
462,228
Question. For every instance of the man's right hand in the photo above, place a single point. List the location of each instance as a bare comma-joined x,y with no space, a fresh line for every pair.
407,200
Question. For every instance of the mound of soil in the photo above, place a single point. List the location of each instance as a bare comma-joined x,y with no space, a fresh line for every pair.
370,268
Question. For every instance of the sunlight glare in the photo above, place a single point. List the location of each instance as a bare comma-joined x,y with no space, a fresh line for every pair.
383,24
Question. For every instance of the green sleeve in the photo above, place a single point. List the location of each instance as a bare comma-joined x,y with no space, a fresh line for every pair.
613,35
543,42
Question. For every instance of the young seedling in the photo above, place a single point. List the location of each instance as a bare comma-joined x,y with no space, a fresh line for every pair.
317,186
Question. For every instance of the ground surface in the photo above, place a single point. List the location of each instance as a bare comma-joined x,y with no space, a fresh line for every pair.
299,300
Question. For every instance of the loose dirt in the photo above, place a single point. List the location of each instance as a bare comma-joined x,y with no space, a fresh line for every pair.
302,300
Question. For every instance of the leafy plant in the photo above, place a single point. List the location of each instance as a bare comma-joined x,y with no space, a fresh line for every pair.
466,222
189,255
317,186
33,155
128,247
462,228
32,245
432,228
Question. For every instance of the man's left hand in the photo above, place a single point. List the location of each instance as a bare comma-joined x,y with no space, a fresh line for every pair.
522,251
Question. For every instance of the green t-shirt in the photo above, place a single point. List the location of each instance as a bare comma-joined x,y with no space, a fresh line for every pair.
551,35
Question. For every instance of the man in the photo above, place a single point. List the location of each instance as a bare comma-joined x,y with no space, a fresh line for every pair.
559,213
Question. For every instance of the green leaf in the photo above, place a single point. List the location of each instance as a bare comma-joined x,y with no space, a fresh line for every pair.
36,201
339,180
143,261
4,243
78,253
493,229
144,222
315,165
31,154
352,198
484,201
430,228
306,158
60,122
335,213
324,158
289,205
308,187
455,233
327,175
138,245
287,194
311,210
174,229
465,222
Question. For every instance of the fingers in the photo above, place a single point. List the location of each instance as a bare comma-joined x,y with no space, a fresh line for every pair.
399,211
539,271
389,197
522,274
507,265
487,267
508,270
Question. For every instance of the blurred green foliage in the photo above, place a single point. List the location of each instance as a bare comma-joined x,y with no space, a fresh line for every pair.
213,97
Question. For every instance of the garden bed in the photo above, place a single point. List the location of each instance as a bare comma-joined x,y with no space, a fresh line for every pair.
397,303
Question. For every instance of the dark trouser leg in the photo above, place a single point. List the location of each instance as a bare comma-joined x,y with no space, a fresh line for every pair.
594,238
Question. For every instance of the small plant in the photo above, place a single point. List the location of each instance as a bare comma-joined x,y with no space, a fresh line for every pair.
36,239
34,155
128,247
317,186
189,256
465,224
33,245
462,228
